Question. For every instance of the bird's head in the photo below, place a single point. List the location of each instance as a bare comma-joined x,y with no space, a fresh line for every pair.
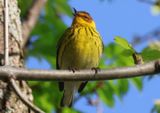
83,18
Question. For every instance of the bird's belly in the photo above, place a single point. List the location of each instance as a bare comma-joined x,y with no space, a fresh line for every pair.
80,54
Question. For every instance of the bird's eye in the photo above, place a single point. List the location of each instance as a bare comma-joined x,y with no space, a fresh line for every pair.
85,17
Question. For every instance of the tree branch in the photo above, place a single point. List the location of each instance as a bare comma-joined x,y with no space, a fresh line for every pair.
6,48
23,97
65,75
31,19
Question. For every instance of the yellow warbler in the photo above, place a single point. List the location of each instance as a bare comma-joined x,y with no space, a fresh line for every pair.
80,47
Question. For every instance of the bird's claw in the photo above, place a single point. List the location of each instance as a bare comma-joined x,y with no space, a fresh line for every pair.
96,69
72,69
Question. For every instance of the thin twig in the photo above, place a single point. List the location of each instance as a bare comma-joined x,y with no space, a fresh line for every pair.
31,19
6,48
147,69
23,97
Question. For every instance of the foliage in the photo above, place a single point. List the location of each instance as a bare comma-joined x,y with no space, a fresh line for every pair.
42,44
156,108
156,7
123,42
24,5
48,29
150,53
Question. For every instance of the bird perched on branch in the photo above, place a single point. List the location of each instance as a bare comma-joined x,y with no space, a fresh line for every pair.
80,47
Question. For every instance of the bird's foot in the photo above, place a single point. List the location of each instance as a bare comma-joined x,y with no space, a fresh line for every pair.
73,69
96,69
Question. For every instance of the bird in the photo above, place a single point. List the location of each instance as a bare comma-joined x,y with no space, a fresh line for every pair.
80,47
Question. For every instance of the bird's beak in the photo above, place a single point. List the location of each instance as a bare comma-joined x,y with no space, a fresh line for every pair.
74,12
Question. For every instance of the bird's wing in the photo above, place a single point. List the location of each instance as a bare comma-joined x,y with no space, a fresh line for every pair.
83,84
58,53
60,44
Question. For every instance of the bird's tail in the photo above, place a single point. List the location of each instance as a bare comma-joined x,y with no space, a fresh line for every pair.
67,98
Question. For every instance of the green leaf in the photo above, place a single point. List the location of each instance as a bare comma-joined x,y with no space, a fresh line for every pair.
138,83
122,87
150,54
127,52
115,56
43,99
69,110
91,86
124,43
61,6
107,94
24,5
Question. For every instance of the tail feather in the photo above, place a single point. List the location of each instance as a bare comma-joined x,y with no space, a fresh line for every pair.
67,99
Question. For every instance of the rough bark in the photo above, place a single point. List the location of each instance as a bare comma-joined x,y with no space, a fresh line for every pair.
9,102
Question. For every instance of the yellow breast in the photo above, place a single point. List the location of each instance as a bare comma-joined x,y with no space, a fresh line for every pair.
82,49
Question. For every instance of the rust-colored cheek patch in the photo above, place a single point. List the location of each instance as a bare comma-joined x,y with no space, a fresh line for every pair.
89,20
